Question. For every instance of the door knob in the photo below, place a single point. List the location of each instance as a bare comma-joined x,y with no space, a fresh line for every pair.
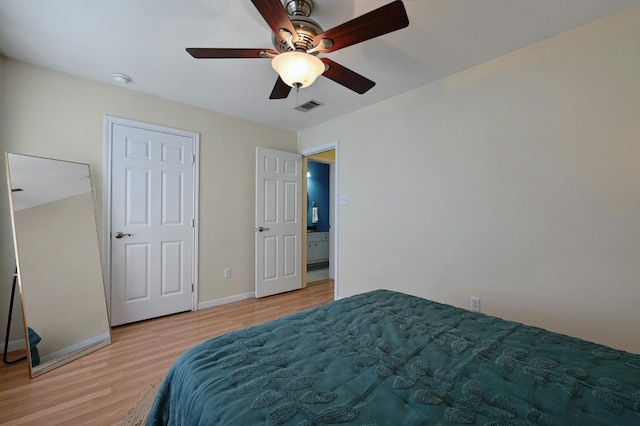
260,229
120,235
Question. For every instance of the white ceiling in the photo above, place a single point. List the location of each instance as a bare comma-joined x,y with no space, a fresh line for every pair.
45,180
146,39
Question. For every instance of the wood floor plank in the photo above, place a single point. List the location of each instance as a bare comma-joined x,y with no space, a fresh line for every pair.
100,388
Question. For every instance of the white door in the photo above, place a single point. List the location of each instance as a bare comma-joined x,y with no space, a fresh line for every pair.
152,223
278,222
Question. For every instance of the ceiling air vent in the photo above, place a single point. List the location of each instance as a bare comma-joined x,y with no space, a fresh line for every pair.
308,106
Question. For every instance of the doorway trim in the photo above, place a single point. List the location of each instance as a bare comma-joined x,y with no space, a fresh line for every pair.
336,225
109,122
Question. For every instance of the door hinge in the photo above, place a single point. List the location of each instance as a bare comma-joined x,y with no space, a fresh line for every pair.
193,158
193,223
192,287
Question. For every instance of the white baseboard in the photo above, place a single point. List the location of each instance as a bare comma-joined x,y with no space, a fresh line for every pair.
14,345
73,348
225,300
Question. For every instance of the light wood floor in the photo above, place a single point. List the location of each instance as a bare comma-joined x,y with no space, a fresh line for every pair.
100,388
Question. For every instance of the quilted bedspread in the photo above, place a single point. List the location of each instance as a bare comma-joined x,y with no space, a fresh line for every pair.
387,358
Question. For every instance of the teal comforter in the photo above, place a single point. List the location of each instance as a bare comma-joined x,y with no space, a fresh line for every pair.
386,358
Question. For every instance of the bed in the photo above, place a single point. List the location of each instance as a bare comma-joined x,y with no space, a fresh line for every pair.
388,358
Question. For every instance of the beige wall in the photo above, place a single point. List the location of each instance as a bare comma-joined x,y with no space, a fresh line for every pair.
517,181
7,262
51,114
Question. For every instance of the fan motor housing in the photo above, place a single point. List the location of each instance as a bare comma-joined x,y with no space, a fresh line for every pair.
306,28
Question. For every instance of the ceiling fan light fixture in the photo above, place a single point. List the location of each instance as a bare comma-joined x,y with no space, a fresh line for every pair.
297,69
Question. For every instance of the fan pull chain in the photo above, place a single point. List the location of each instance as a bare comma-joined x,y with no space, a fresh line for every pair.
297,87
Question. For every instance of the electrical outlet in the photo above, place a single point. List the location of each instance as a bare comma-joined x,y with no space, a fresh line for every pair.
474,303
227,272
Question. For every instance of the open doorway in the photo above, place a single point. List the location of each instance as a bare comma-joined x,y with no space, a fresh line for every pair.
320,260
318,217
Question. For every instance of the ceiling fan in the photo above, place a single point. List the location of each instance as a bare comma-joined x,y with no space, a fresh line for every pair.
297,41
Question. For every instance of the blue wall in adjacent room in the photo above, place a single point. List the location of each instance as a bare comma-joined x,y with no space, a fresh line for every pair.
318,191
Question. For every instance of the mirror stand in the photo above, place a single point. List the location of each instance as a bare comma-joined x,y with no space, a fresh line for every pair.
6,339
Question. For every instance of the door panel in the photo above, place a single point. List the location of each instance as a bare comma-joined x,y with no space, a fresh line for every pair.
172,267
291,243
136,265
137,207
270,258
172,187
278,222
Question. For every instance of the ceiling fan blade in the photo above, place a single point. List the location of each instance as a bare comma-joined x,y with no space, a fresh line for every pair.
221,53
344,76
280,90
383,20
274,13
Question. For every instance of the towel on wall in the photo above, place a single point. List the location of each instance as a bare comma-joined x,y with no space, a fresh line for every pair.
314,215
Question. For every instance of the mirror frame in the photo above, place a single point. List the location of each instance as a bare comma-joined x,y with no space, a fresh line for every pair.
91,344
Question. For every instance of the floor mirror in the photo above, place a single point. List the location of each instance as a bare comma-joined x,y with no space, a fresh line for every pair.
58,260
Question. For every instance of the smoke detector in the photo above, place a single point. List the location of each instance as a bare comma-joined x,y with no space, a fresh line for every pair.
121,78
